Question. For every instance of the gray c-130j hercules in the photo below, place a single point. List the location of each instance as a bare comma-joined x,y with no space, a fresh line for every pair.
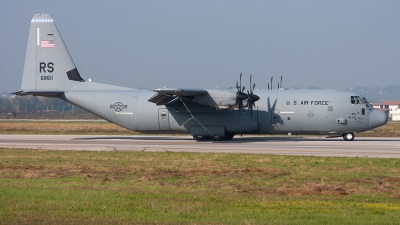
206,114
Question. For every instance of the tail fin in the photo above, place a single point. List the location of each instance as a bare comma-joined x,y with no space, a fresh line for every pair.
48,65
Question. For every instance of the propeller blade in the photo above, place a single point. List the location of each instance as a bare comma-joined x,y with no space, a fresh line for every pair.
250,84
240,95
240,80
252,98
271,82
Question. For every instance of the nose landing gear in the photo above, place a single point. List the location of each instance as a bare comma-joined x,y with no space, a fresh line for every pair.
348,136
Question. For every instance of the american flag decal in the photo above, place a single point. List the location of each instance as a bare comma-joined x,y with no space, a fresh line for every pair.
47,44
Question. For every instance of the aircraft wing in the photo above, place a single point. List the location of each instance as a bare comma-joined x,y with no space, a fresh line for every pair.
165,95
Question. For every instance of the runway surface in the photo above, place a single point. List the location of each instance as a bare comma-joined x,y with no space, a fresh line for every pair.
360,147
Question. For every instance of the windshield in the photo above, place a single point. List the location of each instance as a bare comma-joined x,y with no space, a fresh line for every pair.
358,100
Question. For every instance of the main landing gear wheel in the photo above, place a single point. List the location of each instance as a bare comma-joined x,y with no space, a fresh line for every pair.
222,138
348,136
213,138
229,137
217,138
199,138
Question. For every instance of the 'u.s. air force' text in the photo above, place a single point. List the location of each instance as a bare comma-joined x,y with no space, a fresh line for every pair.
46,67
295,102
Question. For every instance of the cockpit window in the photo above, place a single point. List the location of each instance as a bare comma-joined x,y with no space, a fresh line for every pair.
352,100
357,100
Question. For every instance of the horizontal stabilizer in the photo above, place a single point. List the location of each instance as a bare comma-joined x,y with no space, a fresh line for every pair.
39,93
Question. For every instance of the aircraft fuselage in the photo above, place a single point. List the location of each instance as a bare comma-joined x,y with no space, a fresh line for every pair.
278,112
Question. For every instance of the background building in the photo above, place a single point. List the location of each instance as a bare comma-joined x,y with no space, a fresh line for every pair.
393,108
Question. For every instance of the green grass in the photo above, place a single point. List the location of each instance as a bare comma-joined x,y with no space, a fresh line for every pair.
80,187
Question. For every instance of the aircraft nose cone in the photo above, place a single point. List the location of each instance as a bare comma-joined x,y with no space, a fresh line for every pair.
377,118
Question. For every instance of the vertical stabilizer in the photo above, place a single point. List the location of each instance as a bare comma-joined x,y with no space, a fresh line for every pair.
48,65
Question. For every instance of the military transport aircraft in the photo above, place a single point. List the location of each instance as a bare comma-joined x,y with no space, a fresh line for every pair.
206,114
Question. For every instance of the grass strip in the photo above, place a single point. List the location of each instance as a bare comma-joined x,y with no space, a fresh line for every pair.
82,187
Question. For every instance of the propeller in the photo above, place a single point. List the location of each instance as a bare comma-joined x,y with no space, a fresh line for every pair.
252,97
240,95
279,84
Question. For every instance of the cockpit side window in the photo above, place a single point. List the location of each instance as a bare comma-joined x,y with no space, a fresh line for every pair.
366,102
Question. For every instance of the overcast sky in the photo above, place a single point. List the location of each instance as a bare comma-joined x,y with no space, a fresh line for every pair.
205,44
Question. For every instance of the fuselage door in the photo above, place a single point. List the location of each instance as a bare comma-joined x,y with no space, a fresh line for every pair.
163,119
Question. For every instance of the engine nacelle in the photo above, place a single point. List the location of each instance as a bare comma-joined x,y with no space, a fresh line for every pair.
221,99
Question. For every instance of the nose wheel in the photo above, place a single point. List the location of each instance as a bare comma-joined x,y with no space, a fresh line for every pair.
348,136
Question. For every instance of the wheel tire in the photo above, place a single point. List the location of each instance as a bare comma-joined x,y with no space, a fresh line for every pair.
199,138
348,136
229,137
217,138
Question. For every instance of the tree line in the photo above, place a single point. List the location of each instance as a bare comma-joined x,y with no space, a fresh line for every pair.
35,104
